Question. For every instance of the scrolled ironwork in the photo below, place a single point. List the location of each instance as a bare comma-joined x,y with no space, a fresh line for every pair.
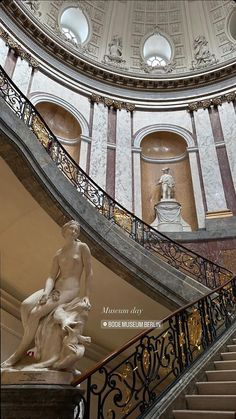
125,386
176,255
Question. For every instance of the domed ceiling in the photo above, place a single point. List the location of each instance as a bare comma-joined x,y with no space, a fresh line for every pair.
148,39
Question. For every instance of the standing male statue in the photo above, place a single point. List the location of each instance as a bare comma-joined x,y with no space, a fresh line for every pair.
167,183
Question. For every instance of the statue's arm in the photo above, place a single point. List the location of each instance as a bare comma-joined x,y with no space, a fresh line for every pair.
86,255
50,281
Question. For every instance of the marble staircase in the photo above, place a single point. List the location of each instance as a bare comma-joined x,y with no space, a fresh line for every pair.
216,398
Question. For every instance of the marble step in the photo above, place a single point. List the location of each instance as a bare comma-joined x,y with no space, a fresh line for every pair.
231,348
209,402
221,375
226,356
225,365
202,414
217,387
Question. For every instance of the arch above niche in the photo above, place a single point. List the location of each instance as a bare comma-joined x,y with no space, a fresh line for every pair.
37,98
143,132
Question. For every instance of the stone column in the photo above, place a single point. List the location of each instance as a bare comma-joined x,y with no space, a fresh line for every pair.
84,142
228,123
215,197
3,52
21,75
98,158
137,182
197,188
123,176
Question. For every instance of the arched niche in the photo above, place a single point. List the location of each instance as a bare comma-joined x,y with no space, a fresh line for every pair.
162,149
63,125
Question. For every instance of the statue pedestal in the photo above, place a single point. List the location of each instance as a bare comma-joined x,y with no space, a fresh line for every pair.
39,401
168,217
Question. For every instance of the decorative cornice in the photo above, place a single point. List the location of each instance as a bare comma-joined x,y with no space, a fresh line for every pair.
19,51
103,73
218,100
110,103
164,160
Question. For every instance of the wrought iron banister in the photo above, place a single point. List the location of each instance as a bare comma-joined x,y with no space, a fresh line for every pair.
176,255
126,385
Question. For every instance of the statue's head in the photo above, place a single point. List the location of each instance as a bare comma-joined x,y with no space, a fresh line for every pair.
165,170
69,226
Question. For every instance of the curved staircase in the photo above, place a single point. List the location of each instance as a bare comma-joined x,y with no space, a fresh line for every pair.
216,398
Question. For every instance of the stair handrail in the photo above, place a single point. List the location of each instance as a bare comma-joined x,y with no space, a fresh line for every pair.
178,256
156,361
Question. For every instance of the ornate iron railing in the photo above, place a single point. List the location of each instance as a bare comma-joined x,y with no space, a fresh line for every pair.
176,255
133,378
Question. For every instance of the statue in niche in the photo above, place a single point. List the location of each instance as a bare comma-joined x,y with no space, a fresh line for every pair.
167,183
55,316
115,52
202,55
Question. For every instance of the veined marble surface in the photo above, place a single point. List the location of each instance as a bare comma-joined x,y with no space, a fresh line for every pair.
197,190
179,118
98,159
212,180
21,75
3,52
228,123
123,179
44,84
137,183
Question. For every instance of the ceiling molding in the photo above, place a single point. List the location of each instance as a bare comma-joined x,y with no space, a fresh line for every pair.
97,71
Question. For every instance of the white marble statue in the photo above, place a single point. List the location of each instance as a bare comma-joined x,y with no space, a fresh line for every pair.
167,183
54,317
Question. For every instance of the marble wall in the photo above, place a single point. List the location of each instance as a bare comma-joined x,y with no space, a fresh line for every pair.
180,118
107,153
212,180
228,123
123,179
43,84
3,52
21,75
98,157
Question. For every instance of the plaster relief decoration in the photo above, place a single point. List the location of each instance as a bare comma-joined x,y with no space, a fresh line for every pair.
54,318
34,7
111,103
19,51
202,56
114,57
168,210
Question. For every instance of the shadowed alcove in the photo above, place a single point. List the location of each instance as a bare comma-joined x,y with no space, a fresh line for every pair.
166,149
64,125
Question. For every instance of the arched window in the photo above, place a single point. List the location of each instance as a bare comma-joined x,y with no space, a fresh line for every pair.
232,24
74,25
157,50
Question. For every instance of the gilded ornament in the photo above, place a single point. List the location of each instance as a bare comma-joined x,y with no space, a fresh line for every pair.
195,329
181,339
146,359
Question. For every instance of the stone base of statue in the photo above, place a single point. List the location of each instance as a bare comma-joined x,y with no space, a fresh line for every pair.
39,401
168,217
32,376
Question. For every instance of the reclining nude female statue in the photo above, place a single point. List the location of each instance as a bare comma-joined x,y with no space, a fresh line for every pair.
55,316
